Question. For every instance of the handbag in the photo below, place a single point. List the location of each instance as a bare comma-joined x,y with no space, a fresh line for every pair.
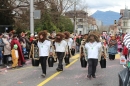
83,62
50,61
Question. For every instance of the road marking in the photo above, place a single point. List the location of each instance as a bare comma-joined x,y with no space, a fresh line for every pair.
71,63
57,73
75,57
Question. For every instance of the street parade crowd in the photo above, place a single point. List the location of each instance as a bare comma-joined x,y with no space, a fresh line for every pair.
59,47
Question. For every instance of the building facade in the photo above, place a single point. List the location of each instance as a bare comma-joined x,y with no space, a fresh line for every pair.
80,17
125,20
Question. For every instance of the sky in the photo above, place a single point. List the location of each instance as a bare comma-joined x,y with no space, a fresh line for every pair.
106,5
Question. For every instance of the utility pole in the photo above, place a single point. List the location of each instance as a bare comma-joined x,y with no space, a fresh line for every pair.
75,17
31,17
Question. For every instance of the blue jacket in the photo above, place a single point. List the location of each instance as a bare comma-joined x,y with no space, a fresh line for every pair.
1,44
112,50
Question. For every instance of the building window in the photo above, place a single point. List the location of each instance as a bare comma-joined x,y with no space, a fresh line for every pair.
80,26
125,23
80,20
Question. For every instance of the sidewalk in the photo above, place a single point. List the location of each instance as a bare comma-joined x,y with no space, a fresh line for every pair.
2,68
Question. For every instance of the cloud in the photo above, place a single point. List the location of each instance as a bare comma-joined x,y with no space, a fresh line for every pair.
105,5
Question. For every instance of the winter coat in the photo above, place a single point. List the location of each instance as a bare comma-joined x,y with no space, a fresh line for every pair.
112,49
7,47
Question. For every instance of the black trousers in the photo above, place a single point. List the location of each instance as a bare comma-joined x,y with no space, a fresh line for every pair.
111,57
43,61
60,56
92,64
125,56
5,59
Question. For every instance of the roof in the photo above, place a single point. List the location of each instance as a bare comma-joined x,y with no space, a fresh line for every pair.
78,13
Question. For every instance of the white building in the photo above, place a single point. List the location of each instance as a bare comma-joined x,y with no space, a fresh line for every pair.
125,20
81,21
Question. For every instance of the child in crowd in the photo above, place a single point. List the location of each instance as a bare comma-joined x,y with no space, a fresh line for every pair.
15,56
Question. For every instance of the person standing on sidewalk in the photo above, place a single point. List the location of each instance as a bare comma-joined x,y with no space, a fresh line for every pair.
21,60
1,48
6,53
44,48
60,48
93,48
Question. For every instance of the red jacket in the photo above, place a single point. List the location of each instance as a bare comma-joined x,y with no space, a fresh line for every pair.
125,50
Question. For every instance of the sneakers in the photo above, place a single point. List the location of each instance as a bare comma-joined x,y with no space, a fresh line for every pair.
43,75
7,67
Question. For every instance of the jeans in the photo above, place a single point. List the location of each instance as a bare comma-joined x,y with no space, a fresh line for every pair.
92,64
5,59
60,56
1,57
43,64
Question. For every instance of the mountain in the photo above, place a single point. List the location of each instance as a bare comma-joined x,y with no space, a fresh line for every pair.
107,17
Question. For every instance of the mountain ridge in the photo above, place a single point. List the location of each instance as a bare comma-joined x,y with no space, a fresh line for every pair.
106,17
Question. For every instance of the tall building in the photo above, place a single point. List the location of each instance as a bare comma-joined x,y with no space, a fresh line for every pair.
125,20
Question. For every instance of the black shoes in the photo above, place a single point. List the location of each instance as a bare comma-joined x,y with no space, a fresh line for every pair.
43,75
89,77
67,64
94,76
59,69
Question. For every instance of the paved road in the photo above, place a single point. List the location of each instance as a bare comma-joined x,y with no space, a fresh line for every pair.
73,75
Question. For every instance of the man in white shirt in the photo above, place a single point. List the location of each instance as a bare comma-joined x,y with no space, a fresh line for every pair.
60,47
92,46
44,47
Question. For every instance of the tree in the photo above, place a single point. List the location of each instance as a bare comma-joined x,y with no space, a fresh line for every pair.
65,24
45,24
6,14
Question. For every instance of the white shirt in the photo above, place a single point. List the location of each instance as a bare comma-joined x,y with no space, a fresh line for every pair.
44,48
70,42
93,49
60,47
